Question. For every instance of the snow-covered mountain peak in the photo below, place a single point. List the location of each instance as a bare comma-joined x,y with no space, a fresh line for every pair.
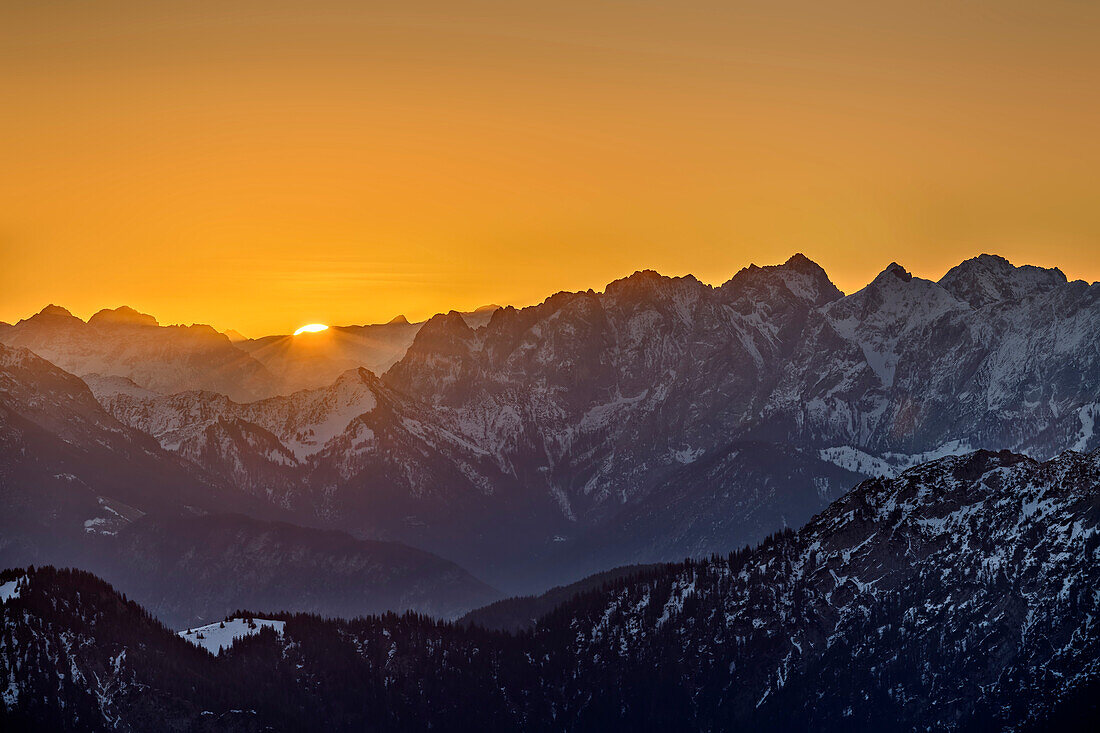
200,424
896,296
803,277
891,274
988,279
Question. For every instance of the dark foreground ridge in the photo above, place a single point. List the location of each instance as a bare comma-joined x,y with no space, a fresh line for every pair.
960,595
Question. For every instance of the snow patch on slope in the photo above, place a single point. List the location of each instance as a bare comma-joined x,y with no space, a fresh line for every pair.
1088,415
888,464
215,637
9,590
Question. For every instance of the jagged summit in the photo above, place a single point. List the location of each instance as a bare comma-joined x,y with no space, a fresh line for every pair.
358,375
124,315
398,320
892,273
988,279
646,282
799,261
51,311
447,332
803,277
235,336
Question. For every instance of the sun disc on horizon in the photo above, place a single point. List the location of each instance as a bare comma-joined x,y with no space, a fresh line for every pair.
311,328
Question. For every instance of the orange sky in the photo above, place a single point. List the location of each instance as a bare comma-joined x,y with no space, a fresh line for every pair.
261,165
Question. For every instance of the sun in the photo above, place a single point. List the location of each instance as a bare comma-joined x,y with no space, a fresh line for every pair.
311,328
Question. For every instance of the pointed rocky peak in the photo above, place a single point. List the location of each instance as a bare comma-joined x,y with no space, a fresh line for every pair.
197,328
56,310
509,323
359,375
799,274
802,263
646,284
893,274
235,336
51,314
506,313
124,315
988,279
399,320
442,333
894,302
639,280
450,322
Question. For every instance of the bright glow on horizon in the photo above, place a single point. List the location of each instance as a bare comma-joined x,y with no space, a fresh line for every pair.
357,160
311,328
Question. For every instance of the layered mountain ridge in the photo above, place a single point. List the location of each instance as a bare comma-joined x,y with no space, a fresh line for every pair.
79,487
125,343
660,418
958,596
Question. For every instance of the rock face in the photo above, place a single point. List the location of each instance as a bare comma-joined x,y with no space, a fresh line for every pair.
958,596
80,488
662,417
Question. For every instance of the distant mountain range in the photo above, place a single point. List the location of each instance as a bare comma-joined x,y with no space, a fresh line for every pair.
77,487
958,596
659,419
122,342
372,468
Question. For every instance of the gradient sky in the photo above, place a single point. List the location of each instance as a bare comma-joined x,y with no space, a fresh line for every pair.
260,165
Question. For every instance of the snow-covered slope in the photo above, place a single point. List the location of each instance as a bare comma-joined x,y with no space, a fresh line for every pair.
302,422
960,592
215,637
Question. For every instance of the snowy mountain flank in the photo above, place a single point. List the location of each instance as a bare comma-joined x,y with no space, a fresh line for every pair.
957,596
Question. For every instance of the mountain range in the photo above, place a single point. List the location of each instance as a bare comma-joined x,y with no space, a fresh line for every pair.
80,488
957,596
122,342
438,467
658,419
